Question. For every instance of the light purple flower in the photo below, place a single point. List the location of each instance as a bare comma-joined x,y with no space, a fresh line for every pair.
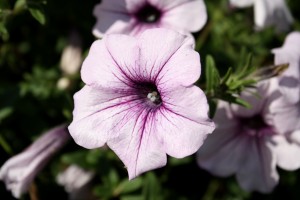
268,13
289,53
19,171
76,182
139,98
249,144
132,17
289,83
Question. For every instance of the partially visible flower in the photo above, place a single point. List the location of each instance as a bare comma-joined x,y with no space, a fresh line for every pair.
249,144
75,181
133,17
289,53
139,98
268,13
19,171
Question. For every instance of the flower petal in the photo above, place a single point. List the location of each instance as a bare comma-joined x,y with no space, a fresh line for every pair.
286,152
283,110
189,16
183,121
178,60
289,53
257,102
258,169
104,67
95,113
112,17
222,151
272,12
137,145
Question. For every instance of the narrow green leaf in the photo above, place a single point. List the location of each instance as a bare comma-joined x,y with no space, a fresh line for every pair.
19,5
236,100
3,32
131,197
5,112
212,74
227,76
5,145
127,186
38,14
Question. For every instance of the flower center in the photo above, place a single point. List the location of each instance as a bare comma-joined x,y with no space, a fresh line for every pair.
154,97
149,93
255,126
148,14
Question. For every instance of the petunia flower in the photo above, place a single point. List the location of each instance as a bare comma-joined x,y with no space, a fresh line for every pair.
289,53
76,182
20,170
140,100
133,17
268,13
248,143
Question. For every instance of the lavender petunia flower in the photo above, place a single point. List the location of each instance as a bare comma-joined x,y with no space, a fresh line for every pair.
139,98
268,13
289,53
76,182
19,171
133,17
249,144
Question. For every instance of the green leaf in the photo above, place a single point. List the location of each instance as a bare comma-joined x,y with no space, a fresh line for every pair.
132,197
19,5
3,32
236,100
227,76
127,186
212,74
38,14
151,189
5,112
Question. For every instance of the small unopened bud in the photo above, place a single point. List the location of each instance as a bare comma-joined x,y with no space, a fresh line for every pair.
72,55
63,83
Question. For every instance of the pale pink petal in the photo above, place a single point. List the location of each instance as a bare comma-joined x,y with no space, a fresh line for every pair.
138,145
272,12
286,151
242,3
179,60
133,5
285,115
258,169
112,17
256,98
170,4
189,16
96,112
222,151
101,67
289,53
183,121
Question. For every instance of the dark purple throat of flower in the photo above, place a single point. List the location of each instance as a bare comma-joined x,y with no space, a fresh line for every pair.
255,125
148,14
149,92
